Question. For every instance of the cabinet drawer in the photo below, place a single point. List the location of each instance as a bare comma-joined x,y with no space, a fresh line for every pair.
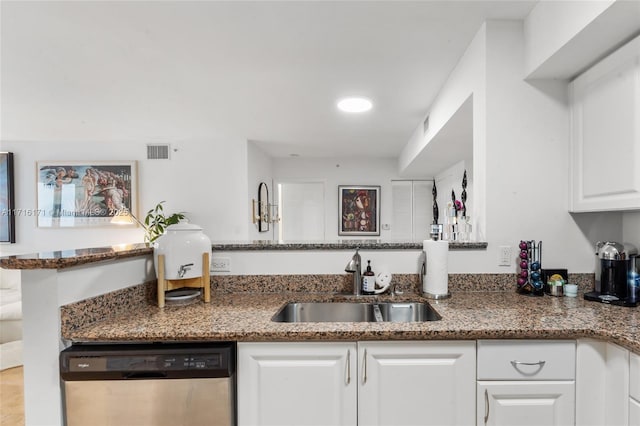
634,376
526,360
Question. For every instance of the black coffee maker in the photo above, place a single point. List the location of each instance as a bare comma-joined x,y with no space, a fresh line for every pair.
612,274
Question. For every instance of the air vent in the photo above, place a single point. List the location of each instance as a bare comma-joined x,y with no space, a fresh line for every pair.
425,125
157,152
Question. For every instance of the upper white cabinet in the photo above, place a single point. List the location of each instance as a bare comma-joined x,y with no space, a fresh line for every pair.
605,134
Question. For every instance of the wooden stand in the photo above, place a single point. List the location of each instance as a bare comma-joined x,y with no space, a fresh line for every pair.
197,282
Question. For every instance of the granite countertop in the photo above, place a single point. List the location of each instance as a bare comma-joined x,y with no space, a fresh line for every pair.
466,315
364,244
61,259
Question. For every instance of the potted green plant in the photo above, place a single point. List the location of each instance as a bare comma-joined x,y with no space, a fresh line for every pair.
156,222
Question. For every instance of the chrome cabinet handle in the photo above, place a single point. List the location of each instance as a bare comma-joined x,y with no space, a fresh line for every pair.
348,369
540,363
486,406
364,367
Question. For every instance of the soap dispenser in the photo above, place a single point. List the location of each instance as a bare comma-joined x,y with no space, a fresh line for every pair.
368,280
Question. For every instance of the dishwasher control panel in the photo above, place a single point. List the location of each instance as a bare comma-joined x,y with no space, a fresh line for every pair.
144,363
147,361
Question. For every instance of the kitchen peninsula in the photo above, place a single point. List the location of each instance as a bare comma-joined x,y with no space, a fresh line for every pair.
74,297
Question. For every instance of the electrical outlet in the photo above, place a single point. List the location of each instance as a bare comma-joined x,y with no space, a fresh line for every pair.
220,264
504,256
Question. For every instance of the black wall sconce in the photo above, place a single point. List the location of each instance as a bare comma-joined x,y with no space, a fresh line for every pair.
264,213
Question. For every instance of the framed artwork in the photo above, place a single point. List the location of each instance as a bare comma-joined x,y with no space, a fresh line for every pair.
7,201
87,193
359,210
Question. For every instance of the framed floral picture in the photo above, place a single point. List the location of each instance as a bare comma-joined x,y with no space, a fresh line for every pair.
87,193
359,210
7,206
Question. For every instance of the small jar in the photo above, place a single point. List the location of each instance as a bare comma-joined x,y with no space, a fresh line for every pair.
555,290
571,290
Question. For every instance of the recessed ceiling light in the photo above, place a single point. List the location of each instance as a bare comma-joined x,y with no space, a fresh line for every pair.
354,104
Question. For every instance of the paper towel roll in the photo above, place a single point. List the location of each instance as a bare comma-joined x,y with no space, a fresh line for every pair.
436,278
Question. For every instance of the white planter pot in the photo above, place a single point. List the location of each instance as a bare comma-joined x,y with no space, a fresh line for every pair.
182,245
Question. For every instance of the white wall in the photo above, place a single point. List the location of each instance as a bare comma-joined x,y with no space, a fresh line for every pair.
451,179
468,79
259,169
561,38
521,133
564,38
205,179
551,24
526,157
309,262
341,171
631,228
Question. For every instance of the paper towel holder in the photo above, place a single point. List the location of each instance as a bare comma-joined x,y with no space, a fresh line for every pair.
423,273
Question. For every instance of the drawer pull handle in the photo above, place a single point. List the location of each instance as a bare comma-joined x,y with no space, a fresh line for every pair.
528,372
486,406
348,379
517,363
364,367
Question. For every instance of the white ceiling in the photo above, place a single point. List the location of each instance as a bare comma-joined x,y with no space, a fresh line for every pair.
264,71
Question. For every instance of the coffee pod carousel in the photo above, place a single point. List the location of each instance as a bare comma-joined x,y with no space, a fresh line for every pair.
530,263
182,260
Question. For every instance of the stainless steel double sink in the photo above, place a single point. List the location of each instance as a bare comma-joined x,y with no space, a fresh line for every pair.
356,312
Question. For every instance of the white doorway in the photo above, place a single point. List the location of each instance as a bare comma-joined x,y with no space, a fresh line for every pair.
301,206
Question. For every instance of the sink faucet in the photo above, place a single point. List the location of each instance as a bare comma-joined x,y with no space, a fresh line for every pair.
354,267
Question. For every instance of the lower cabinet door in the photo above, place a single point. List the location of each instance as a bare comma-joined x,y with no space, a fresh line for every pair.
297,384
416,383
514,403
634,412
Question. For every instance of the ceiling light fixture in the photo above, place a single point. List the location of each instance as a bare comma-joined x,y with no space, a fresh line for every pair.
354,104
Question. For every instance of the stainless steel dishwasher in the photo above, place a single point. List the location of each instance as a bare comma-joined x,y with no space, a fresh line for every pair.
149,384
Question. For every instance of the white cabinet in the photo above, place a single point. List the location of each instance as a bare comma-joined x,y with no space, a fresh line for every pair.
297,384
634,390
511,403
634,412
411,383
368,383
605,134
602,383
524,382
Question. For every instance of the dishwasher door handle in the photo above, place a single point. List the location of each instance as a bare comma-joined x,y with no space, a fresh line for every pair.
145,375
